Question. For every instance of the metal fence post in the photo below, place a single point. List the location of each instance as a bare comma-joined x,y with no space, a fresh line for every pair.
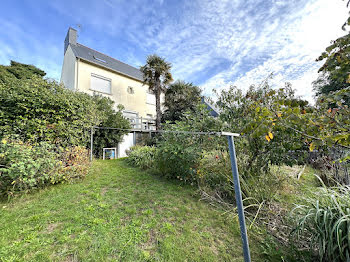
239,200
91,142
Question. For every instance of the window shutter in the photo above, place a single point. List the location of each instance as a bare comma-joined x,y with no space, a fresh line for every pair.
100,84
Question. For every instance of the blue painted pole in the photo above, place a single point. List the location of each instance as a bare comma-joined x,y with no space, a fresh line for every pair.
239,200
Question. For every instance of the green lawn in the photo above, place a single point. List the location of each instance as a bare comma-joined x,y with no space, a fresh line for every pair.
117,213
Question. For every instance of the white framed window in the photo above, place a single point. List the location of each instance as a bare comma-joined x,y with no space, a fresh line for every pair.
100,84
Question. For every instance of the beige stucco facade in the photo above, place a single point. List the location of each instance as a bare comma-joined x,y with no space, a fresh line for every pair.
132,102
87,70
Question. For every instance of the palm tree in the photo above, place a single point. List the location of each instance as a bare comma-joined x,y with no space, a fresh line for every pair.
156,74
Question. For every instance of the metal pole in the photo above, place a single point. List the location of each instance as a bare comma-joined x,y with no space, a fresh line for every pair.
239,200
91,142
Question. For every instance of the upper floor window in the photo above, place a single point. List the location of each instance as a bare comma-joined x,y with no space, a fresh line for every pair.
130,90
100,84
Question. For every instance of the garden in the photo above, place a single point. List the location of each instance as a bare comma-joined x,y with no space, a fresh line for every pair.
173,198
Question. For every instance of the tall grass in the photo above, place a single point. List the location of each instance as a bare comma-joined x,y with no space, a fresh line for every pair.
324,221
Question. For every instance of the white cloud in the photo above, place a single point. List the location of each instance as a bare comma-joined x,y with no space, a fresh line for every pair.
293,46
255,37
215,43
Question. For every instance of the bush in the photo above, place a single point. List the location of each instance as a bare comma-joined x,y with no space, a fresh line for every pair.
179,154
38,110
109,118
256,115
74,163
324,222
214,175
24,167
142,156
178,157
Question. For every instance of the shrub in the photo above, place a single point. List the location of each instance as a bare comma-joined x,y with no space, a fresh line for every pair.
324,221
179,154
214,175
109,118
74,163
142,156
38,110
24,167
256,114
178,157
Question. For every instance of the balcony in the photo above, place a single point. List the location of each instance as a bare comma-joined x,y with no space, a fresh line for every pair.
142,124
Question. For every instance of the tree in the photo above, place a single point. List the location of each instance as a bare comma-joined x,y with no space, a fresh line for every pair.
35,110
179,98
109,118
20,71
256,116
156,74
335,72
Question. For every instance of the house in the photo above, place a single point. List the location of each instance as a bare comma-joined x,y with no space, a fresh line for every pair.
87,70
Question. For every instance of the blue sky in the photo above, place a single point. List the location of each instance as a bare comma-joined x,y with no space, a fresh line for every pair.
213,44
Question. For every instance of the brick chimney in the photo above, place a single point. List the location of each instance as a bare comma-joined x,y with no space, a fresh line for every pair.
71,38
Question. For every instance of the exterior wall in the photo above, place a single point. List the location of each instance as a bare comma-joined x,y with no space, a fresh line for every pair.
126,144
136,102
68,69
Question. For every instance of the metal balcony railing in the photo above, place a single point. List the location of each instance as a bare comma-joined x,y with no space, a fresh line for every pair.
142,123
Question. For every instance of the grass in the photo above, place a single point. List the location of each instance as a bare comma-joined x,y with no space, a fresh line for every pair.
118,213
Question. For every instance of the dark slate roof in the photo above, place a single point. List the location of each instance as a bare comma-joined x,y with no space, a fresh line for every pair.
108,62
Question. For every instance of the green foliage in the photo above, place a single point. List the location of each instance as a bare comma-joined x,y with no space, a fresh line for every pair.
156,74
118,213
180,97
325,222
39,110
331,125
24,167
278,128
214,177
109,118
178,154
19,71
142,156
334,73
177,157
255,115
